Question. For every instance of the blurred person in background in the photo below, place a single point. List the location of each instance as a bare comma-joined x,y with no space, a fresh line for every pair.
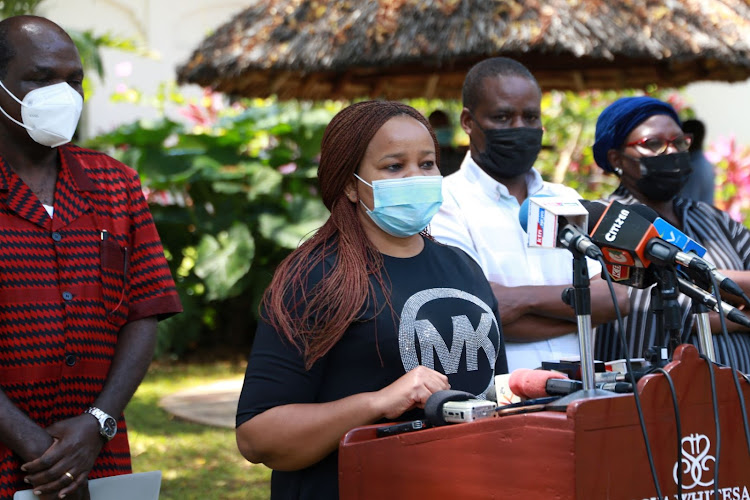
450,155
700,185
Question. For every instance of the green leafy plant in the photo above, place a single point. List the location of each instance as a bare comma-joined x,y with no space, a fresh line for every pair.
232,192
10,8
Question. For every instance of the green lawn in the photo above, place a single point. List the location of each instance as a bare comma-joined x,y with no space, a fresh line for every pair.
197,461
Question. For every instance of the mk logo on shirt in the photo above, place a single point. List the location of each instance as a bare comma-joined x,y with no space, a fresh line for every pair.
465,337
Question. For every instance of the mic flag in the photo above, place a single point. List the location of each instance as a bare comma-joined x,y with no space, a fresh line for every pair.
544,216
523,212
636,277
622,236
672,235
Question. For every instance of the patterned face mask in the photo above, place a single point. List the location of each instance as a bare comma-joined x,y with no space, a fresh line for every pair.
403,207
50,114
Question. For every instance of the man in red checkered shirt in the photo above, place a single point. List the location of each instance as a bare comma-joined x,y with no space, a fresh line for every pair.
83,278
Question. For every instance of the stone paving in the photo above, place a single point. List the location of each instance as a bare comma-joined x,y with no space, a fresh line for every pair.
213,404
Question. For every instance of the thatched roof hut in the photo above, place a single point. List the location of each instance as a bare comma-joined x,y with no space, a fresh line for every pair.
320,49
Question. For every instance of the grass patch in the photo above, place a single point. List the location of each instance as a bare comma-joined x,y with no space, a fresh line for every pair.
197,461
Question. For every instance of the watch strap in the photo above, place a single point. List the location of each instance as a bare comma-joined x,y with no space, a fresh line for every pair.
101,416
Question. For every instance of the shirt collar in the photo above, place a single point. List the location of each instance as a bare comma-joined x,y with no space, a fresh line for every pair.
68,161
494,189
80,178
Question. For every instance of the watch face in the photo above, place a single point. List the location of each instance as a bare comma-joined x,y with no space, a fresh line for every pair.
109,428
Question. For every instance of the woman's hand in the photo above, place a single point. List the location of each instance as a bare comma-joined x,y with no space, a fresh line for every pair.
411,390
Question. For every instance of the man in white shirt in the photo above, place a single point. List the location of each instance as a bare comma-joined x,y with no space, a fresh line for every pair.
479,214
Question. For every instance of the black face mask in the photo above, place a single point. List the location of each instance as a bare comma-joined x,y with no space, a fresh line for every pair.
663,176
509,152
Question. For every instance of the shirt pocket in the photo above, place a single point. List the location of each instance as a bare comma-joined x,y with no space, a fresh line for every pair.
114,276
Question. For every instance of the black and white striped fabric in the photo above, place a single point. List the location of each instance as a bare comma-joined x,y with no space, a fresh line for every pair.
727,244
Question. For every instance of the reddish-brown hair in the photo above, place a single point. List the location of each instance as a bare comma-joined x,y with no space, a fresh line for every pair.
315,320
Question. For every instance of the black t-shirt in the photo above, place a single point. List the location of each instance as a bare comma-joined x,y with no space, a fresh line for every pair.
445,318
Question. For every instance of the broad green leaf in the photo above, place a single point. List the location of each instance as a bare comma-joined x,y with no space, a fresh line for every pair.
224,259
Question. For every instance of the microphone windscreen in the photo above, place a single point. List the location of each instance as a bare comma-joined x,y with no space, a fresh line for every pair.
433,408
644,211
492,394
531,384
596,210
523,212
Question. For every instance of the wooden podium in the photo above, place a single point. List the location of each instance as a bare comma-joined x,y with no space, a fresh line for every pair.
595,450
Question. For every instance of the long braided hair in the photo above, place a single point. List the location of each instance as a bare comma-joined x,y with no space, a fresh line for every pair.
315,320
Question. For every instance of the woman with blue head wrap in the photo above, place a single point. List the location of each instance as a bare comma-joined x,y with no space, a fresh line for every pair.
640,140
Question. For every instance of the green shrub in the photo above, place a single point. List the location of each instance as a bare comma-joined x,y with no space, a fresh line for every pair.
232,193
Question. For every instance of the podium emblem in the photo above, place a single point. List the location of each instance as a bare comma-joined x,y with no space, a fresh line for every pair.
695,460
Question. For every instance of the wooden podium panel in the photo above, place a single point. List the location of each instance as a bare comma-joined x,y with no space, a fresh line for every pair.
595,450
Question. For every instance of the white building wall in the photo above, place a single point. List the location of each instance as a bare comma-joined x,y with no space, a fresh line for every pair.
170,28
723,107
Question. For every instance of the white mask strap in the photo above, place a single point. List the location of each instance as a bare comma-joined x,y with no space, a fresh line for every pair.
19,102
10,93
355,175
367,183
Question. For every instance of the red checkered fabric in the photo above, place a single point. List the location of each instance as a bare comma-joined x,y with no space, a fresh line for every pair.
67,286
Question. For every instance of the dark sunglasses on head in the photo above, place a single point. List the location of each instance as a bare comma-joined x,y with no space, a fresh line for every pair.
659,145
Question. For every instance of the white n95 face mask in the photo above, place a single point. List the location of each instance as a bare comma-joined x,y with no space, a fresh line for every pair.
50,114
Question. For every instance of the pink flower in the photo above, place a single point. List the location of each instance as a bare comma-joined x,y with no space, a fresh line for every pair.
288,168
206,112
735,164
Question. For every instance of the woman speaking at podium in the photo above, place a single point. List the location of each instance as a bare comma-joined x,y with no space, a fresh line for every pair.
639,139
370,316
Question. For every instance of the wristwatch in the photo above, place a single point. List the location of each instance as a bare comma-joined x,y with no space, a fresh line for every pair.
107,423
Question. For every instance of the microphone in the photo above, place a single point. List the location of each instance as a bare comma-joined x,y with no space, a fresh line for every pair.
673,235
444,407
621,234
618,387
707,299
533,384
557,222
636,277
433,408
666,253
627,238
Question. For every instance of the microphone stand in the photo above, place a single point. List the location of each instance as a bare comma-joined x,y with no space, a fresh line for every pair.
579,297
668,291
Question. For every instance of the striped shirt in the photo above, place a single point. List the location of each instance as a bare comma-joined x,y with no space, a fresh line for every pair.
68,284
727,244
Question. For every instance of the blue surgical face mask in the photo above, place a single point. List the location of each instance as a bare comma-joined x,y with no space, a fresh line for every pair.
403,207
